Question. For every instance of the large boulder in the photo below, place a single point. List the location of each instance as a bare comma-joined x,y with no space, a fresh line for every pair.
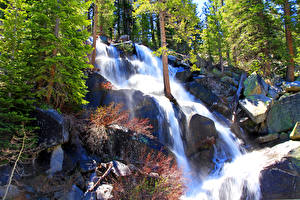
53,129
256,106
220,89
255,84
199,140
139,105
202,93
282,179
96,92
284,114
184,76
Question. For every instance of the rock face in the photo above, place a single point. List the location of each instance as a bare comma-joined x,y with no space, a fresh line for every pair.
184,76
267,138
220,89
256,107
254,84
284,114
282,180
53,128
56,162
95,93
142,106
202,93
295,134
200,137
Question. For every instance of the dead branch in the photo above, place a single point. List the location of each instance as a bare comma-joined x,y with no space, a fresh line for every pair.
102,177
15,166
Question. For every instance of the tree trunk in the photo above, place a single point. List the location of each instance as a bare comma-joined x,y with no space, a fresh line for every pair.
220,55
289,41
167,89
95,35
228,57
53,68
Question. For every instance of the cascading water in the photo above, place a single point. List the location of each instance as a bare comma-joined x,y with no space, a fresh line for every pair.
229,180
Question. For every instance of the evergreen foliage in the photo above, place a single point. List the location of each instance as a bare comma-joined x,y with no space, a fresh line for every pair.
43,51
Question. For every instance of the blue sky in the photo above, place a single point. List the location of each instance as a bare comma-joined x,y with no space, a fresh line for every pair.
200,4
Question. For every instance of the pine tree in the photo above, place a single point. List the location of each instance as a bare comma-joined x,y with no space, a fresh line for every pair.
252,35
16,84
66,79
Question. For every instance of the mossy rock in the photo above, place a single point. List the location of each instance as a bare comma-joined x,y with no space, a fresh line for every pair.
284,114
255,85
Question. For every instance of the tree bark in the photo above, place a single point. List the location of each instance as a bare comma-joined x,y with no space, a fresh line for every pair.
220,55
289,41
167,88
95,35
53,68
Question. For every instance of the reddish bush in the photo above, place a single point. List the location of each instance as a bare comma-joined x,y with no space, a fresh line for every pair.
158,179
109,115
106,85
112,114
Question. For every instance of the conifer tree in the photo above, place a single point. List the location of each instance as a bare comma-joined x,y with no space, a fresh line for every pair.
16,84
65,80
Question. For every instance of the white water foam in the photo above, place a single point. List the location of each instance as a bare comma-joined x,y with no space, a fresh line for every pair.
230,180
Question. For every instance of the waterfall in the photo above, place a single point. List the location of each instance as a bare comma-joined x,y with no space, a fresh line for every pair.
229,180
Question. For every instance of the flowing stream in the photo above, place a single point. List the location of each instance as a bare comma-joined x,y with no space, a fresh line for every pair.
238,179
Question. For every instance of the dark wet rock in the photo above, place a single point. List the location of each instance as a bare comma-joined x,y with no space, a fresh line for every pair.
282,179
267,138
5,171
13,192
220,89
199,141
117,143
172,60
96,92
104,39
184,76
75,193
284,114
200,134
53,130
202,93
140,106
